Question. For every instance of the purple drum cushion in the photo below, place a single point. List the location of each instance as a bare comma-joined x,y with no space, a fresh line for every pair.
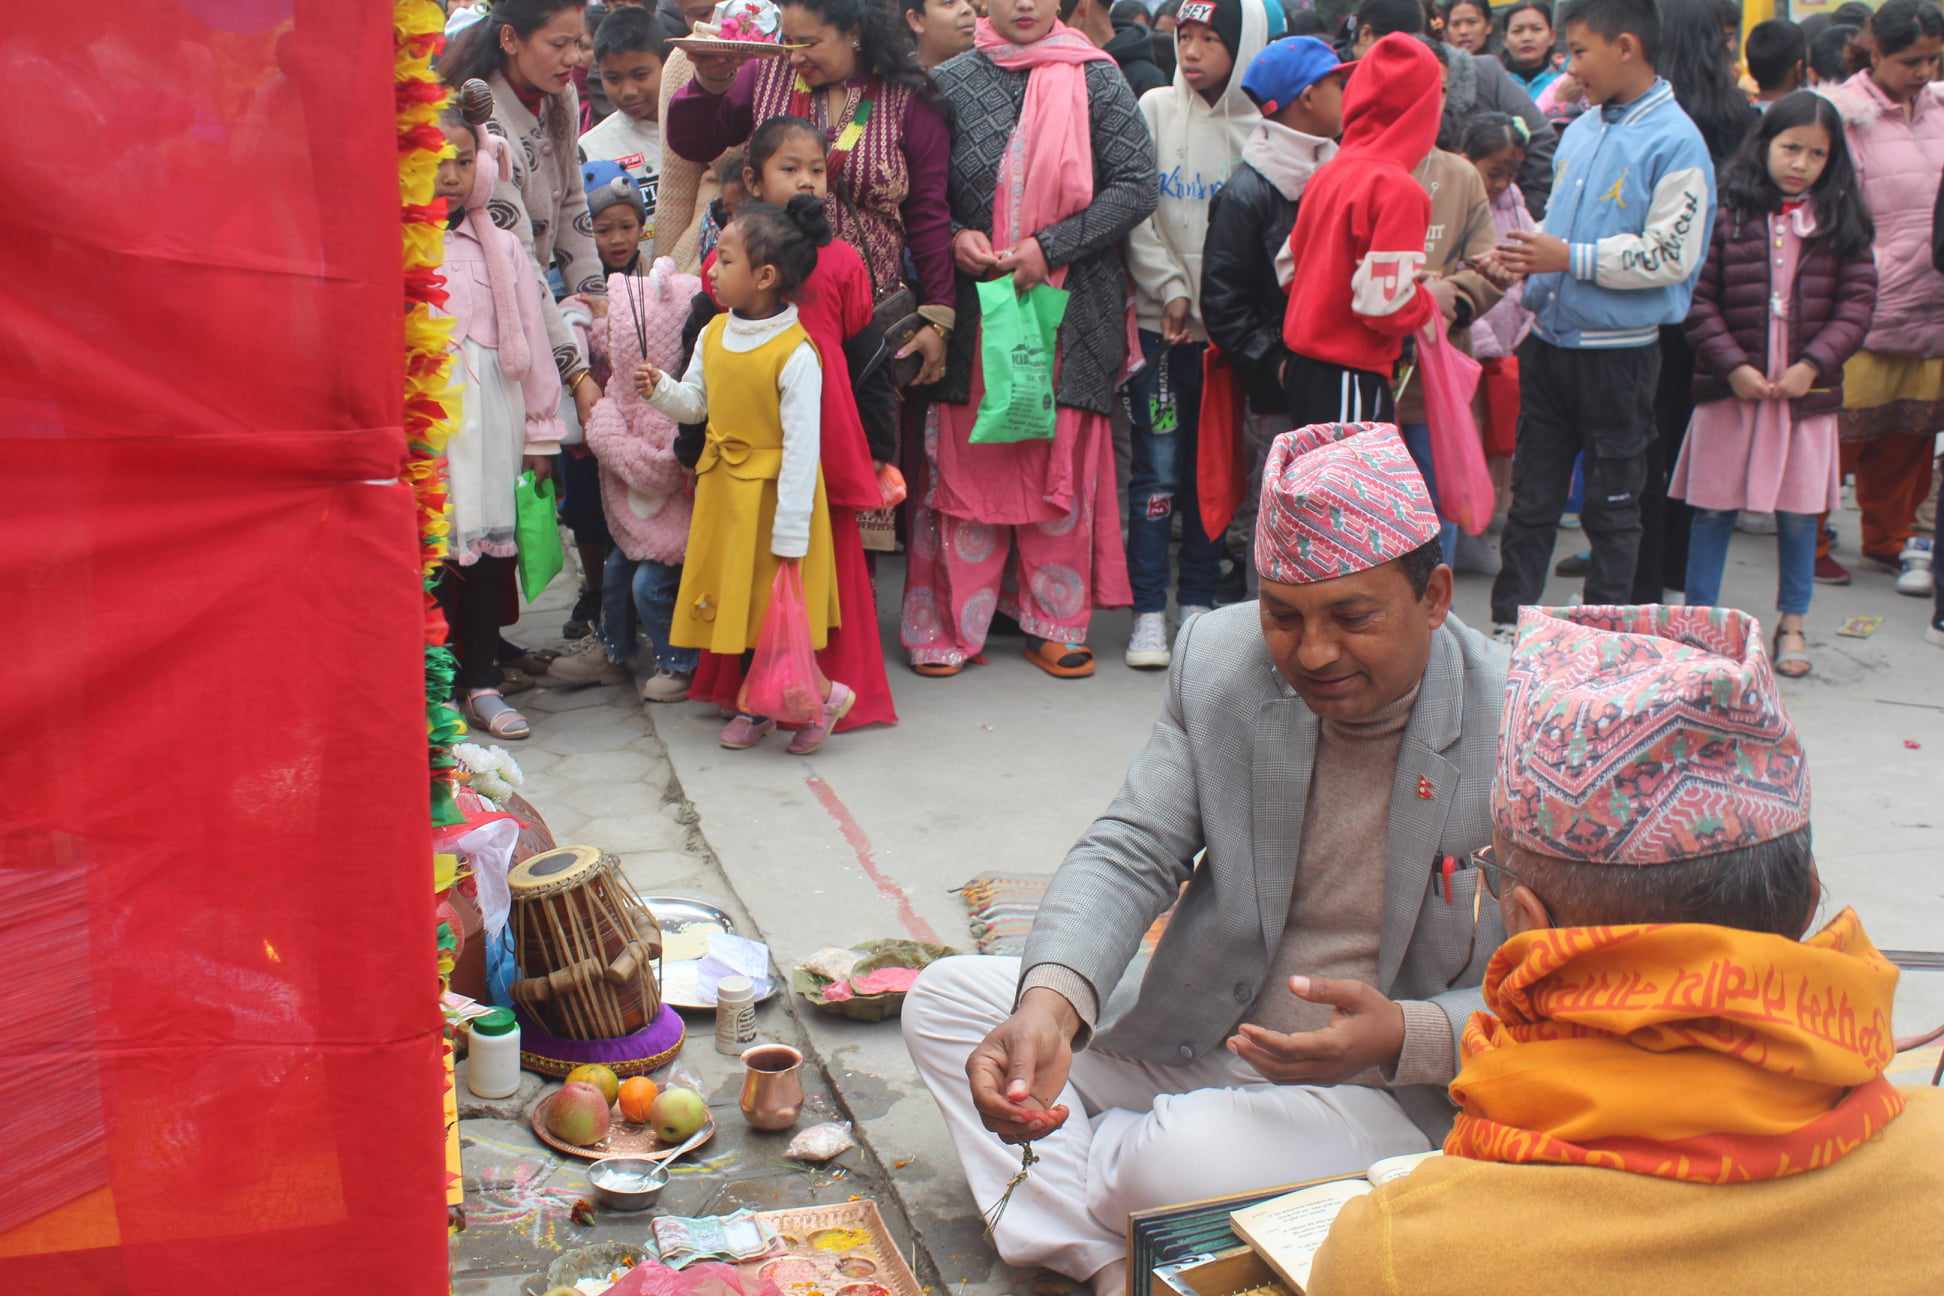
637,1054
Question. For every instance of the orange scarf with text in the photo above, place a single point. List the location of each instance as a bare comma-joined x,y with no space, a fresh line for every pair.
1686,1051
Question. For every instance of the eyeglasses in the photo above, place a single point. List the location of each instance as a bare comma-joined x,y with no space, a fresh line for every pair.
1485,859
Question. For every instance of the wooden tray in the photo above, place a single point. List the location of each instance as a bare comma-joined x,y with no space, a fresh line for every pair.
809,1262
622,1138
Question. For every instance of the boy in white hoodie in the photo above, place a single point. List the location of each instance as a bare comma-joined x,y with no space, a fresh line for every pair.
1199,124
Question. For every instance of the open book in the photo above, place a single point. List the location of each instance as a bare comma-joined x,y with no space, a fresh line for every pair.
1288,1231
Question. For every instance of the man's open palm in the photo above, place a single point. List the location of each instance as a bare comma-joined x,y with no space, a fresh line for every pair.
1365,1031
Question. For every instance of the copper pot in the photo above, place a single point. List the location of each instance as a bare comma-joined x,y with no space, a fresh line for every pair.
772,1092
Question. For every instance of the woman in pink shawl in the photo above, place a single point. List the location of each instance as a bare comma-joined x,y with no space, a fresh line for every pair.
1051,167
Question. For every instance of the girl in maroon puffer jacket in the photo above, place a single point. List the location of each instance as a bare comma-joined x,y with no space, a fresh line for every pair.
1784,299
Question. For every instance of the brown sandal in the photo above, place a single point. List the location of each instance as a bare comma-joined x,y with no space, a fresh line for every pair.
1791,664
1061,661
937,670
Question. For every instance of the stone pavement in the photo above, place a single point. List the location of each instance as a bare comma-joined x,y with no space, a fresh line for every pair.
1002,768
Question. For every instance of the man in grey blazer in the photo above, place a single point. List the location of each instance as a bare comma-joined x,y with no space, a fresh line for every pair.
1307,803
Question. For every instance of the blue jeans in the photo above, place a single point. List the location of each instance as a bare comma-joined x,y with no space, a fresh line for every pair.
1417,439
1165,407
641,594
1795,551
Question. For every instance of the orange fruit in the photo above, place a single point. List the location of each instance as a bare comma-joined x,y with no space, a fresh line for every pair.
602,1078
637,1096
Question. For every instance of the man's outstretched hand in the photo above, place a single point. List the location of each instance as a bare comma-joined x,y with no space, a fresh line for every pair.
1367,1030
1018,1071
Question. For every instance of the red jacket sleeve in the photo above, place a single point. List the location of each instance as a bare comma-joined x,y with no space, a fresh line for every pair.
1384,292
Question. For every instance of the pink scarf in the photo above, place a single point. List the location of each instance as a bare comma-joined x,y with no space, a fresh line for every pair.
502,256
1046,172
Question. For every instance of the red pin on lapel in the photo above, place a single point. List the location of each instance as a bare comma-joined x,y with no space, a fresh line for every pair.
1425,790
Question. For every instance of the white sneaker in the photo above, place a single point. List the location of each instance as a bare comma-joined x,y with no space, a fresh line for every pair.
664,686
585,662
1755,523
1915,579
1147,646
1189,611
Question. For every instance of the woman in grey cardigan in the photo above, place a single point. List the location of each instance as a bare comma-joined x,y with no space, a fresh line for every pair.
1052,165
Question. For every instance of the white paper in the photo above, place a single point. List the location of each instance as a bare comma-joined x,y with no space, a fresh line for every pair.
732,956
1383,1172
1289,1231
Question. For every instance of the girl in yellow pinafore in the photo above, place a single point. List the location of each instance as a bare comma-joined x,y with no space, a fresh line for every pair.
759,492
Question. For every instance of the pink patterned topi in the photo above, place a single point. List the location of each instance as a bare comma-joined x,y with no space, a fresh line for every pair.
1644,735
1338,499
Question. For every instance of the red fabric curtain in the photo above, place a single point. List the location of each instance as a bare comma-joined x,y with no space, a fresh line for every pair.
219,1028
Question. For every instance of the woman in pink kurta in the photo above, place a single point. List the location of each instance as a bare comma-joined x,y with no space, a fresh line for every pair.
1783,301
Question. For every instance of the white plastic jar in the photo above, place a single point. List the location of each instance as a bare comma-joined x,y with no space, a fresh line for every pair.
493,1064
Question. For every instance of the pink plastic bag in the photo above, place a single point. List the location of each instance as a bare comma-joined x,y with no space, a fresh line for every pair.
1450,377
707,1278
783,682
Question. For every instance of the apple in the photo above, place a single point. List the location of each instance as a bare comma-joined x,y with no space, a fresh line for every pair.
678,1113
578,1114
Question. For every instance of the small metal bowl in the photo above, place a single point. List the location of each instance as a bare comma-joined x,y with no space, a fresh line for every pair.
627,1183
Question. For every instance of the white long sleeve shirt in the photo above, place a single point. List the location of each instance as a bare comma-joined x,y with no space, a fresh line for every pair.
799,404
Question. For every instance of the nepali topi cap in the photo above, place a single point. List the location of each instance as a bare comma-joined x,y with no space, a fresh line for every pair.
1644,735
1338,499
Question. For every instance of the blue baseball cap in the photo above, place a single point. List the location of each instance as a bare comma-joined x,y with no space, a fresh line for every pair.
1286,68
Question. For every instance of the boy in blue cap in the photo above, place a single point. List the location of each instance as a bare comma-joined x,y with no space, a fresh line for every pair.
1297,85
616,206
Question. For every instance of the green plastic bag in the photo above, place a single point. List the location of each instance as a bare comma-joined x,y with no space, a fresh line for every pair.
536,528
1017,337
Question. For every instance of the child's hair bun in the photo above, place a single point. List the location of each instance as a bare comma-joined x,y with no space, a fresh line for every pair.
475,100
806,212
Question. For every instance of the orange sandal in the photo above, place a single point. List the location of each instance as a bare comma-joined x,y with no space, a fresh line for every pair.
1061,661
937,670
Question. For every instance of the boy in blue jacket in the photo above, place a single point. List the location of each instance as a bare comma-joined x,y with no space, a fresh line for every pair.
1625,233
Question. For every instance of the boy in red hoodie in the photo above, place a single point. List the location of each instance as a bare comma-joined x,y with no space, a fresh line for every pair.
1359,243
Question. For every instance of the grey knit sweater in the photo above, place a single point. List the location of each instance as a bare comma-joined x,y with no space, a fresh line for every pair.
986,102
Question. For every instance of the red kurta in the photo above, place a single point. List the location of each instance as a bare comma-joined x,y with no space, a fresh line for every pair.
834,304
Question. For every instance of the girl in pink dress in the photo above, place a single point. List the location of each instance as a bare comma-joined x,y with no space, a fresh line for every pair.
1784,299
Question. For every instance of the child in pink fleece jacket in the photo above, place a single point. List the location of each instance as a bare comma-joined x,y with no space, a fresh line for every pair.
647,495
510,415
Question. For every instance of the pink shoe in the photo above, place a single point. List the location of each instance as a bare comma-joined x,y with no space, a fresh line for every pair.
745,731
835,708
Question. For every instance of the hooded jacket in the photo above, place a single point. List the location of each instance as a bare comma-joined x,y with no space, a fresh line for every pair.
1246,258
1359,235
495,300
1897,157
1133,50
1196,146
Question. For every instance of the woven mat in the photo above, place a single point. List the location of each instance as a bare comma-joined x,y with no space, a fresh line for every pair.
1000,908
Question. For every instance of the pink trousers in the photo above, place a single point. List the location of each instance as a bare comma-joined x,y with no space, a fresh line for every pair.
1048,575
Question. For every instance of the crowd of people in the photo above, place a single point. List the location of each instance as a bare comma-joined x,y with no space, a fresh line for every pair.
1701,280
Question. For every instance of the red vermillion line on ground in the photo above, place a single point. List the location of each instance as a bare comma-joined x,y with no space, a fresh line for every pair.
860,845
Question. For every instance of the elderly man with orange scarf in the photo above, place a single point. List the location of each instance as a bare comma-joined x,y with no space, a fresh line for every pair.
1674,1088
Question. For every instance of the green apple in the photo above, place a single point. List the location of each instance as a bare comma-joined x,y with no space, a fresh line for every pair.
678,1113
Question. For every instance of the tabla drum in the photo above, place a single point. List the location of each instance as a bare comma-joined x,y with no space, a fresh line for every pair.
586,945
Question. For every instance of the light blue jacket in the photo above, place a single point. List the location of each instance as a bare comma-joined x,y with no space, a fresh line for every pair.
1634,198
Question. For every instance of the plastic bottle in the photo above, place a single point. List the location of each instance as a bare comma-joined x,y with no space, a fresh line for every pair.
493,1065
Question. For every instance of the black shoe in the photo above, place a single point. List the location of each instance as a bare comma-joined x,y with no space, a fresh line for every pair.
1574,565
1003,625
585,616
